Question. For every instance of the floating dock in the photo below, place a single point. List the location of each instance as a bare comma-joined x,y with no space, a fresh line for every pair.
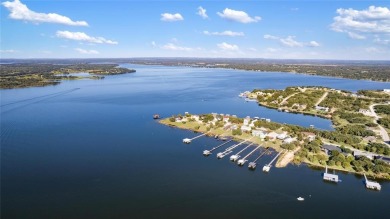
252,165
242,161
330,177
267,167
189,140
208,152
229,150
236,156
371,184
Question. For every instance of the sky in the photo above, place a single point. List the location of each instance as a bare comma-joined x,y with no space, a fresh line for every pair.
346,30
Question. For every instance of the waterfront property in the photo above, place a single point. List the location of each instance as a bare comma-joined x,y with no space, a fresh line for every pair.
371,184
330,177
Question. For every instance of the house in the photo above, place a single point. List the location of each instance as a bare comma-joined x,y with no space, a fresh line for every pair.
288,140
328,148
272,135
253,123
309,135
245,128
247,120
282,136
259,133
321,108
227,126
226,119
195,117
384,159
357,154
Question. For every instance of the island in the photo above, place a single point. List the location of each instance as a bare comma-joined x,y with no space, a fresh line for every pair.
17,75
358,144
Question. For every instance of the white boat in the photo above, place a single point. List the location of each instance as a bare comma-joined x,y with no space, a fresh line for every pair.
300,199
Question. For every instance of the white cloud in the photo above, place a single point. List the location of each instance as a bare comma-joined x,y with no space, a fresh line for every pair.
202,12
87,52
373,20
174,47
8,51
290,41
382,41
153,43
228,47
171,17
313,44
239,16
224,33
20,11
80,36
356,36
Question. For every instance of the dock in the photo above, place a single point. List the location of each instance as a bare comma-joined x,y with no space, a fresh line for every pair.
229,150
330,177
242,161
208,152
236,156
372,184
267,167
252,165
189,140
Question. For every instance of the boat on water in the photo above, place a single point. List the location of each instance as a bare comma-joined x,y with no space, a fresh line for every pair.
156,116
300,199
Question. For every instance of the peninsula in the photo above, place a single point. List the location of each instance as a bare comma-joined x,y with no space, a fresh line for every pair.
19,75
357,144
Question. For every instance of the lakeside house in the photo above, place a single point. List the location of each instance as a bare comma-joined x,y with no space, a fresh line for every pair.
328,148
282,135
246,128
247,120
259,133
309,136
321,108
272,135
289,140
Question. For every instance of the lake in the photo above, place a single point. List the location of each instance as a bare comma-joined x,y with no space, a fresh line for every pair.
90,149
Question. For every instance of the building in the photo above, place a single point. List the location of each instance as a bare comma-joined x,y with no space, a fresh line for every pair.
272,135
321,108
247,120
259,133
282,136
289,140
386,90
309,136
246,128
328,148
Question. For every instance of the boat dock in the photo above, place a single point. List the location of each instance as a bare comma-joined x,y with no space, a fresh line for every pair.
189,140
252,165
372,184
242,161
208,152
229,150
330,177
236,156
267,167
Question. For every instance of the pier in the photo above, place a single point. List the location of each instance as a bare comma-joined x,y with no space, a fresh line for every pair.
229,150
236,156
242,161
189,140
267,167
208,152
330,177
252,165
372,184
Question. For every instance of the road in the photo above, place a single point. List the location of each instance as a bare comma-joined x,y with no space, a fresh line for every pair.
322,98
288,97
382,131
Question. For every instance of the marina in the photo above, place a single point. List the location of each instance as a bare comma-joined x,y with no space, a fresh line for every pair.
267,167
229,150
208,152
189,140
372,184
242,161
235,157
330,177
252,165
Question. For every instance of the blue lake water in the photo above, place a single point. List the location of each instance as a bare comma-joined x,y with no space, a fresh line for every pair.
90,149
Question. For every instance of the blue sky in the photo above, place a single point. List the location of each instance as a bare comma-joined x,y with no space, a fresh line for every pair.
195,28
